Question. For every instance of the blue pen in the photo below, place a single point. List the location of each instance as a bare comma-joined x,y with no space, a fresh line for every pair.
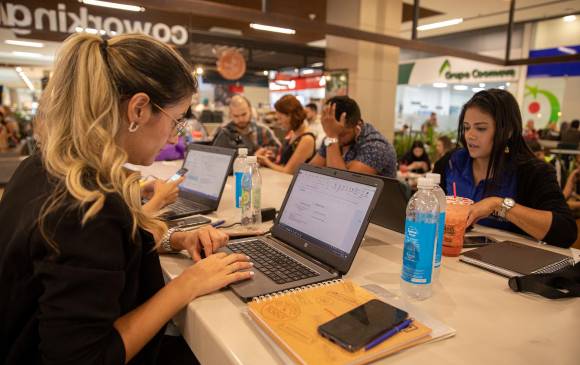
390,333
218,223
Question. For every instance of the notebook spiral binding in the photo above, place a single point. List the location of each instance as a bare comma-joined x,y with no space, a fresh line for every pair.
557,266
295,290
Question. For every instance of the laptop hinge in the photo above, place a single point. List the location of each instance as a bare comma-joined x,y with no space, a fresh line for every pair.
330,269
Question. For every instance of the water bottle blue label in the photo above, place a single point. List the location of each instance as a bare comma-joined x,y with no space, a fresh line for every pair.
440,231
418,251
238,176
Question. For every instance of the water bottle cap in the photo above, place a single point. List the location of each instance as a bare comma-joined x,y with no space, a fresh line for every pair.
424,182
252,159
242,151
436,178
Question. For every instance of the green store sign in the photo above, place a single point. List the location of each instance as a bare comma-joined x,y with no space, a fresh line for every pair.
445,70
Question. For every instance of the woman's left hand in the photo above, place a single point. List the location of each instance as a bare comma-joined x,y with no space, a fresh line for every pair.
483,208
205,238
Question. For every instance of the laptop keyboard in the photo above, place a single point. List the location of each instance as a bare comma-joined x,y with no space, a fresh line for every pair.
276,265
181,206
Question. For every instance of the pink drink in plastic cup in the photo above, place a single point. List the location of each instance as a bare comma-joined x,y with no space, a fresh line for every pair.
455,224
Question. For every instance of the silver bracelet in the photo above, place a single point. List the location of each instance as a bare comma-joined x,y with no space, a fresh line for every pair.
166,240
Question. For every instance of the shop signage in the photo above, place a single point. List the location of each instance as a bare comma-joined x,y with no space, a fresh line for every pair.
298,83
453,70
475,74
27,18
542,100
231,65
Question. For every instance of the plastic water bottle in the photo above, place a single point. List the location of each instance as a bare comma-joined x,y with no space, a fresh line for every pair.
239,166
436,178
251,193
420,240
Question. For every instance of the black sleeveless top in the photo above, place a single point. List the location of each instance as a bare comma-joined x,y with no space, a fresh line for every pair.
289,148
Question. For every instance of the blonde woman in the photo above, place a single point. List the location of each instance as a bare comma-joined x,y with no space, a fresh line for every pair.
80,276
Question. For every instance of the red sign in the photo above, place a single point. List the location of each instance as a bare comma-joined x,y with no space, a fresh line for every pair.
236,89
298,83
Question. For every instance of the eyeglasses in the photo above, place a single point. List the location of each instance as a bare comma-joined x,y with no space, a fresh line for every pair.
178,124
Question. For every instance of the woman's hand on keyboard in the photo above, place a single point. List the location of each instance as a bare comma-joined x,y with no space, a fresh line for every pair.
215,272
202,241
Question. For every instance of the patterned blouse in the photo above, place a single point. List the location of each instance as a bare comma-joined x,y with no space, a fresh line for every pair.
372,149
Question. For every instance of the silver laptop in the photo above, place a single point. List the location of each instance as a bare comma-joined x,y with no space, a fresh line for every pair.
316,235
200,193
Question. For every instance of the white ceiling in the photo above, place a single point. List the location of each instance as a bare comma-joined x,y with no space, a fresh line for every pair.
32,65
486,13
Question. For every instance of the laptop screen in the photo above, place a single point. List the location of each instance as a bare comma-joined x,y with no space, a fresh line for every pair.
327,211
206,174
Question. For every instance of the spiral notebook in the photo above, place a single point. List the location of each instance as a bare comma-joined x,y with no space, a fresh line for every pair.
291,319
514,259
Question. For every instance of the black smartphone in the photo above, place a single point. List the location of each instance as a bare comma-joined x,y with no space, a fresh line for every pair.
182,171
478,241
358,327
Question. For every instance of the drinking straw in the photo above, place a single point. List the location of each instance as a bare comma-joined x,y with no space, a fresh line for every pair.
454,191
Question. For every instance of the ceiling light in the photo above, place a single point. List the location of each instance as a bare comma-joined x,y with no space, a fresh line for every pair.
225,30
481,84
477,89
24,43
199,70
27,54
567,50
501,87
507,84
569,18
317,64
443,24
24,78
460,87
439,85
270,28
108,4
265,72
307,71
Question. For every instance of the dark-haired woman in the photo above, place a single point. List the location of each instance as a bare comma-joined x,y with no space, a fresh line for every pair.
416,159
512,189
300,144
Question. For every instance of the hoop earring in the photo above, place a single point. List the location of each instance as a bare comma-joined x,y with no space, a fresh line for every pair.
133,127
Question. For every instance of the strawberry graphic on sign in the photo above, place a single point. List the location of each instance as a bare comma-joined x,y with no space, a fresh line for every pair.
544,105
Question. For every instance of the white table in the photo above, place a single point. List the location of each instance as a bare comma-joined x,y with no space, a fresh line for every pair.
565,152
494,325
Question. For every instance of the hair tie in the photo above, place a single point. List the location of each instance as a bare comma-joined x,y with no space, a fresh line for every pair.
104,45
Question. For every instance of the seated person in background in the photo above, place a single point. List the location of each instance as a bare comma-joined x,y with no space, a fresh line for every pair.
571,137
242,131
530,133
80,276
416,159
550,132
315,125
9,129
442,146
159,194
511,188
299,145
352,144
571,189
